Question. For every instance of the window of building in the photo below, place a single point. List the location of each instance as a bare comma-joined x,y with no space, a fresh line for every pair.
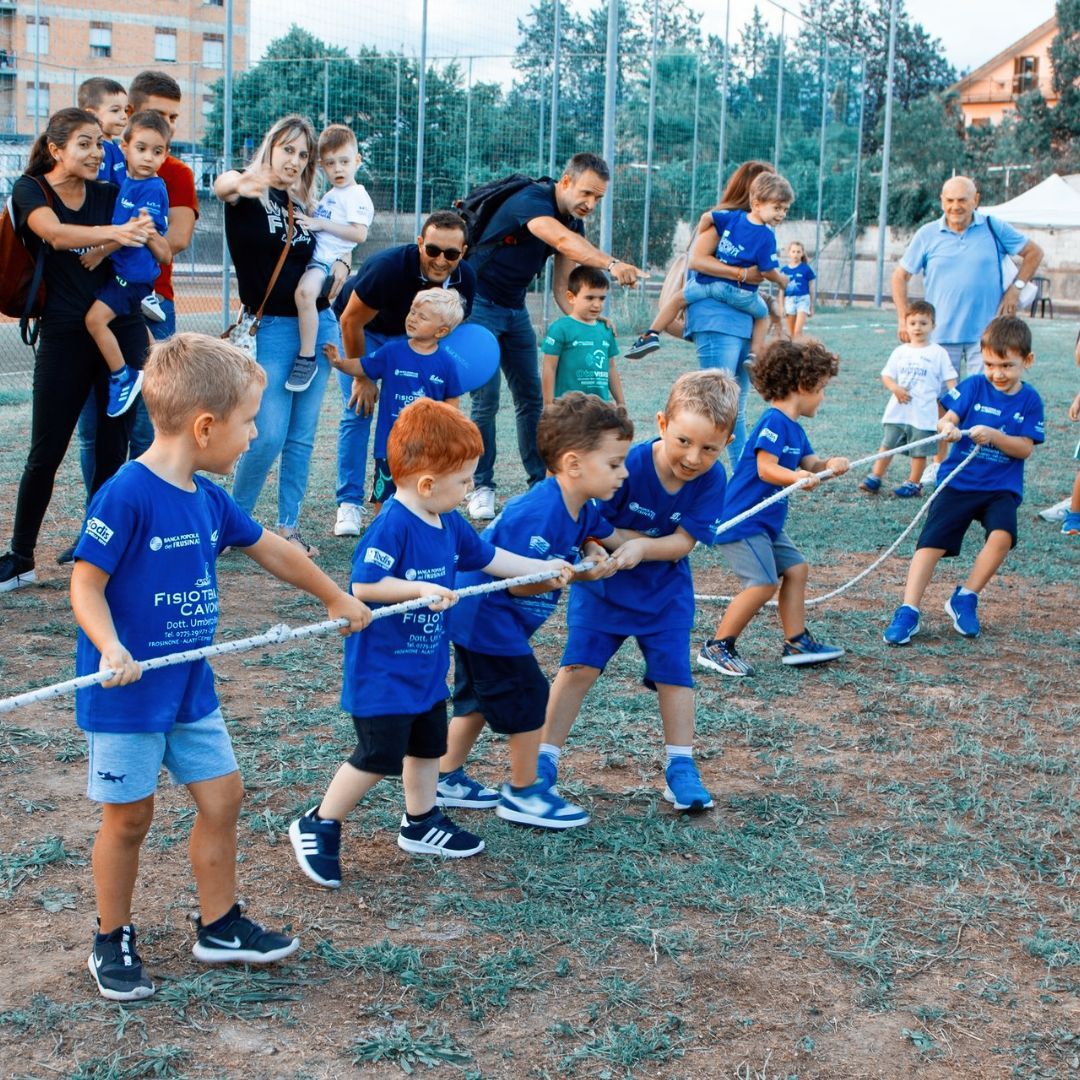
101,39
37,35
37,99
165,44
213,50
1025,74
214,3
981,121
207,104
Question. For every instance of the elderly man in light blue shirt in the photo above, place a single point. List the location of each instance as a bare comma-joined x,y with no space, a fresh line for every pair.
959,256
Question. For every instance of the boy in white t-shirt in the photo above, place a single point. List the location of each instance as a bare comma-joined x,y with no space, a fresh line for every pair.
917,374
339,223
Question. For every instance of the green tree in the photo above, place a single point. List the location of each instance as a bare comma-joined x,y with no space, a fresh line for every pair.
1064,118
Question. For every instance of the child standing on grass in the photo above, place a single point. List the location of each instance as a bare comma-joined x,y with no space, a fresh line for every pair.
1007,418
144,584
915,374
107,100
408,368
583,442
135,269
799,294
791,376
1071,524
395,685
340,222
744,239
668,504
580,348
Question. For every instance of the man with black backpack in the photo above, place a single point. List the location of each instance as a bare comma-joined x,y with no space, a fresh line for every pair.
514,225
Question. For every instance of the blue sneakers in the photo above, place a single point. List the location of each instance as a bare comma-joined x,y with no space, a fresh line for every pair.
117,968
1071,525
457,788
805,649
539,805
436,834
124,387
963,609
908,490
904,625
547,770
317,844
236,939
871,484
684,789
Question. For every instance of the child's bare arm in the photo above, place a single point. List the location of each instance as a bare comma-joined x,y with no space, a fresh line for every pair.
288,563
509,564
348,364
615,384
92,613
777,278
393,590
1014,446
1074,409
814,464
343,230
669,548
894,388
548,366
947,427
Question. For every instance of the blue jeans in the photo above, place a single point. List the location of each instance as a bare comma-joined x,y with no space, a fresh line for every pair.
140,430
520,364
727,352
728,293
353,435
286,421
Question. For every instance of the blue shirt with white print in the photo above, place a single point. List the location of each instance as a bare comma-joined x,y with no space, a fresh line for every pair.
113,165
654,596
741,242
158,543
776,434
977,401
398,665
536,524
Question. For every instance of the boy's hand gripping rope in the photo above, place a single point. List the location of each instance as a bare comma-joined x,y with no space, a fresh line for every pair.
276,635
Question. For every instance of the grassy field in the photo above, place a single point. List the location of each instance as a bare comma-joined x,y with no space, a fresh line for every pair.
886,888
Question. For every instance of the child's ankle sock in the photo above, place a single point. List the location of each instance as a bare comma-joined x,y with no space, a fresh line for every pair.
121,374
415,819
551,751
674,752
727,642
965,592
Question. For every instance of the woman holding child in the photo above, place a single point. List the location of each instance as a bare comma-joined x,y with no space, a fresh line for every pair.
265,207
61,208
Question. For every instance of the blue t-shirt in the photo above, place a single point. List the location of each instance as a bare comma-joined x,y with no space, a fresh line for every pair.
158,544
962,273
776,434
654,596
407,375
505,272
741,243
113,166
138,263
977,401
399,664
536,524
799,277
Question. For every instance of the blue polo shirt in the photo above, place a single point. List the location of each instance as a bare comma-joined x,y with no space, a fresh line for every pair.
962,273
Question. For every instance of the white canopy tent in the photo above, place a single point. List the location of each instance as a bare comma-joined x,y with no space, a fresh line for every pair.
1053,204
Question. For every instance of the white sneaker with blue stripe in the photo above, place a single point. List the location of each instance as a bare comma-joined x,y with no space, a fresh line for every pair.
459,789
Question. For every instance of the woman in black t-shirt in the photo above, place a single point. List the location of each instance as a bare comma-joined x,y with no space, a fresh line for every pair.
256,226
60,206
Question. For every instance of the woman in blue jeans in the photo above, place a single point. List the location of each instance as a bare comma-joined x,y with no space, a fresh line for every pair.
257,203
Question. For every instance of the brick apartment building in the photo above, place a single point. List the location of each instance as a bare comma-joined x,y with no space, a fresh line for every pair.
48,48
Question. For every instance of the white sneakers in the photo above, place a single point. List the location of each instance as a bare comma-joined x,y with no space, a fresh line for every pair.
350,520
481,505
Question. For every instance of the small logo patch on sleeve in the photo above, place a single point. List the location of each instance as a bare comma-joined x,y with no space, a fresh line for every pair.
101,532
379,558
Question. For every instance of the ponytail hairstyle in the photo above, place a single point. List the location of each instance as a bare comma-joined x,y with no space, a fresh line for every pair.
285,130
802,247
58,131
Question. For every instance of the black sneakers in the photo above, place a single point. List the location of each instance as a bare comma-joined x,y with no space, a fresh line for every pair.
234,939
116,967
16,571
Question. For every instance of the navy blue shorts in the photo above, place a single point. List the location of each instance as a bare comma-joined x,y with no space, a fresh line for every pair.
666,652
123,297
383,742
510,692
951,516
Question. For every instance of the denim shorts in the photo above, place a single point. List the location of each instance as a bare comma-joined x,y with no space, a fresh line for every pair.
794,304
898,434
760,560
124,766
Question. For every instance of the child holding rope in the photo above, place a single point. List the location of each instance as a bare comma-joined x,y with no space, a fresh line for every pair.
1008,423
144,580
791,376
583,441
667,505
395,685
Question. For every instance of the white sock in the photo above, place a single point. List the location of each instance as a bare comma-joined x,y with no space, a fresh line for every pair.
674,752
551,751
966,592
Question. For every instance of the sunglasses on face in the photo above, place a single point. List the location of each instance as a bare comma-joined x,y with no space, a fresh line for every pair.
433,251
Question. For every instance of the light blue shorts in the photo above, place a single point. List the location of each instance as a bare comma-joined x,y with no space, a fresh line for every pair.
123,767
794,304
760,560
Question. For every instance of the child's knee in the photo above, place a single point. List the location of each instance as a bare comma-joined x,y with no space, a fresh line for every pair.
128,822
307,292
580,674
797,574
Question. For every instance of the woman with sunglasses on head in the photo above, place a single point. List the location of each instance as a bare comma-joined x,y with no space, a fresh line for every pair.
372,308
270,246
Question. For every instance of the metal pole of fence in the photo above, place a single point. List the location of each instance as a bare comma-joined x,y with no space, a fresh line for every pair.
37,67
883,202
540,132
779,93
421,119
397,146
226,156
194,125
650,139
325,93
723,103
821,150
553,143
468,126
697,125
611,80
858,175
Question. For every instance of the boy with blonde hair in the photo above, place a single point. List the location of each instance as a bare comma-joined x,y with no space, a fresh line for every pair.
144,585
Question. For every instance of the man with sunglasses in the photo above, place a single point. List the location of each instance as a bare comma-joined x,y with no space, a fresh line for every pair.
372,307
540,220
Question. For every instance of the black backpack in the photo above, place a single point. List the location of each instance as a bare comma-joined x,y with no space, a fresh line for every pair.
479,206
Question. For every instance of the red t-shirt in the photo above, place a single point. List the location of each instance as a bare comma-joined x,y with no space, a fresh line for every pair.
180,184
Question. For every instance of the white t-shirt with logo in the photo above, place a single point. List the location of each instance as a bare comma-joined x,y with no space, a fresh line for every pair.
344,206
923,372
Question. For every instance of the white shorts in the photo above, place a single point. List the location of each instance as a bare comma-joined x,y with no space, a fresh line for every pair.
795,304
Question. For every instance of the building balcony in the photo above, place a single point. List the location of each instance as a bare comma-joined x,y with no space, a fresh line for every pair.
7,63
1001,92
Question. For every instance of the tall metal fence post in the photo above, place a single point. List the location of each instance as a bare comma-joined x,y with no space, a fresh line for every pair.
421,120
37,67
821,149
886,150
697,128
553,143
468,127
858,176
611,81
650,139
779,93
397,147
326,93
226,156
724,76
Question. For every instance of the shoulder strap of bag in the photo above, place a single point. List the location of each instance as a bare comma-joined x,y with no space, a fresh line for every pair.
29,333
277,269
1000,248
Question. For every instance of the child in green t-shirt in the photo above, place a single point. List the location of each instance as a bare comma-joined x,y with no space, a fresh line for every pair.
580,348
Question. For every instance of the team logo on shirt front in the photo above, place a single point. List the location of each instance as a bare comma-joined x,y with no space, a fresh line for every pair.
980,407
539,544
637,508
379,558
97,528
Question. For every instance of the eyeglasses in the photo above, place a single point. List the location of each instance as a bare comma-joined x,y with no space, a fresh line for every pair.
432,251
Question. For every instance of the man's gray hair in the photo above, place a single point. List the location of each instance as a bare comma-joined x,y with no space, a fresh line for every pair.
580,164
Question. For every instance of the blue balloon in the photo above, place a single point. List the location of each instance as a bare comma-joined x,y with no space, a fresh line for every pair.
475,350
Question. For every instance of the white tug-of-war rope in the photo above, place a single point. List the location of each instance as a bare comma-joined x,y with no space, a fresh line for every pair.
278,635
